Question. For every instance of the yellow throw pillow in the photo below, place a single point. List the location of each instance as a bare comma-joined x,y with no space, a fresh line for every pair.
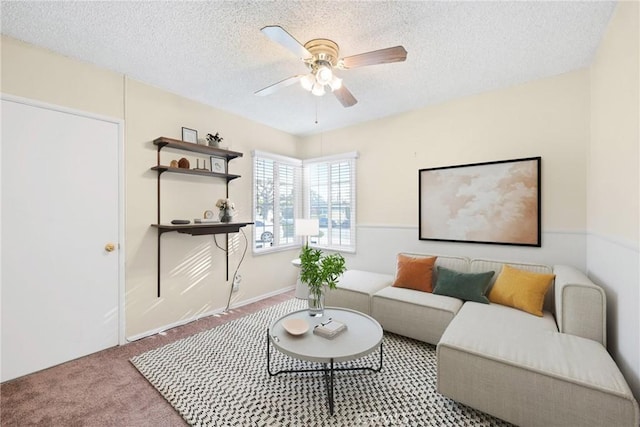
521,289
414,273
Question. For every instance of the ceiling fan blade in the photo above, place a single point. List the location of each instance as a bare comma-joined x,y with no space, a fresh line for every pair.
381,56
280,35
345,97
276,86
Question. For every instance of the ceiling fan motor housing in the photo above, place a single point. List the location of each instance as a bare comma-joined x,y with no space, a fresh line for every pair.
323,50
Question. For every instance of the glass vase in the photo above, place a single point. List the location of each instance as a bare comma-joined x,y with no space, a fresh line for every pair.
226,215
316,303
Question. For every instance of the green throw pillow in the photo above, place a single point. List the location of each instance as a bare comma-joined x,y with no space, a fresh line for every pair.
466,286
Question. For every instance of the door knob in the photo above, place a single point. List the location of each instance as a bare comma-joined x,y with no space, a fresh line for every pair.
109,247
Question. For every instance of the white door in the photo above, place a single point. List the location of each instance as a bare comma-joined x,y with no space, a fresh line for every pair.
60,208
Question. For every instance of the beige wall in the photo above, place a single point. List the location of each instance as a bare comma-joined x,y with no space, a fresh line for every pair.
193,268
193,278
613,213
547,118
39,74
613,168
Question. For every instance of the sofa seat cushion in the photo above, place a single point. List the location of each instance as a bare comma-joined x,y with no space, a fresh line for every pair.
535,346
355,288
495,320
414,314
522,359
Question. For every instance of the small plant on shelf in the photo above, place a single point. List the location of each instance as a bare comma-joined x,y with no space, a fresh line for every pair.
214,140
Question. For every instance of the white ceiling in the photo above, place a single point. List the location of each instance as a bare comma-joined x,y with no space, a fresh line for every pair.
214,52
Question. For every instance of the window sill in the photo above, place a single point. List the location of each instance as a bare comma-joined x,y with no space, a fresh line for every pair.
334,249
275,249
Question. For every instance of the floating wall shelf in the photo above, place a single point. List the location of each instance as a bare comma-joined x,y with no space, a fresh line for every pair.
195,229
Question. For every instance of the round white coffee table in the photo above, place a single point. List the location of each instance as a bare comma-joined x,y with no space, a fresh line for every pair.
362,336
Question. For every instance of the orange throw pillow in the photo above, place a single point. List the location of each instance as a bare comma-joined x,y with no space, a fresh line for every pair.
415,273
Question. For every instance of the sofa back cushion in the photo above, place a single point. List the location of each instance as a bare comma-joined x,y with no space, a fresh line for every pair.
481,265
460,264
456,263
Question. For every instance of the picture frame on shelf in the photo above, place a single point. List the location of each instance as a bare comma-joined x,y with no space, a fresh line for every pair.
189,135
218,164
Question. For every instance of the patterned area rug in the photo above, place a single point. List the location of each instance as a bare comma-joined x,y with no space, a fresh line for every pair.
219,378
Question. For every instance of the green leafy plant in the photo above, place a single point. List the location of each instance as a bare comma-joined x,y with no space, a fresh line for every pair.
318,270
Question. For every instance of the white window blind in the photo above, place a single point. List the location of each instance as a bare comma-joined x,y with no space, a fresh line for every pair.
277,200
330,196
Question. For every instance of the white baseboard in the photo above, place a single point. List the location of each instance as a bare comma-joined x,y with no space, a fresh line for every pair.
207,314
263,296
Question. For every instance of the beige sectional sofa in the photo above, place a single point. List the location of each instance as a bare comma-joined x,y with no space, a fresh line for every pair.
528,370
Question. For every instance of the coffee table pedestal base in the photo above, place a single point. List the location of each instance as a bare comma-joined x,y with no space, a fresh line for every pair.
328,370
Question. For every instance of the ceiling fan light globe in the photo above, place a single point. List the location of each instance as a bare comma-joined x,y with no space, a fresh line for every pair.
324,75
307,82
335,83
318,89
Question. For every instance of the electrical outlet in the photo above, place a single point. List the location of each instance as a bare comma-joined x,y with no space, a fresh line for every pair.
236,283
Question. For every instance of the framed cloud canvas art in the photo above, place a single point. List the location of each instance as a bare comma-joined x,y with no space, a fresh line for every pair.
492,202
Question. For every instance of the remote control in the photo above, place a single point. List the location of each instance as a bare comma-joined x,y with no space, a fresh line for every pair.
180,221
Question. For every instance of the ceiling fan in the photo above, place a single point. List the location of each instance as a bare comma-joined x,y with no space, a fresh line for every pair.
321,57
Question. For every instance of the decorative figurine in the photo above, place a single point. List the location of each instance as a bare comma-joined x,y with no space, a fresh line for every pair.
183,163
198,168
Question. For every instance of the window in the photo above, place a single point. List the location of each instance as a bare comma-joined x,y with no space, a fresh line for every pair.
277,200
328,193
330,196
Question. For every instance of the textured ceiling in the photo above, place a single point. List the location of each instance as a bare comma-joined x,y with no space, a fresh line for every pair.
214,52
